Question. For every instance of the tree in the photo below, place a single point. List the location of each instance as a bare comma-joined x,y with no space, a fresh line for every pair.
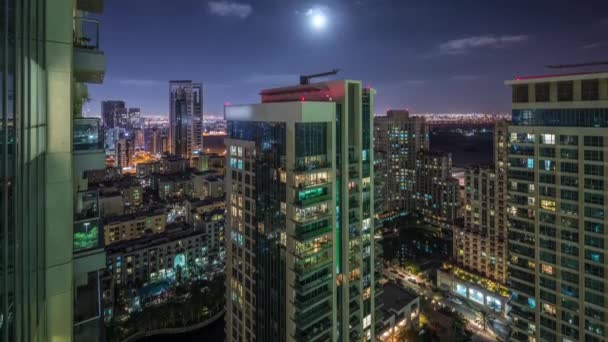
459,328
483,318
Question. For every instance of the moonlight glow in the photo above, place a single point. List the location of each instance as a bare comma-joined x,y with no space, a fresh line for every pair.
319,21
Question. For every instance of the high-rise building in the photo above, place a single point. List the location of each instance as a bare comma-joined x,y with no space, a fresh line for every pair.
557,167
481,245
125,150
436,191
185,118
43,72
399,137
111,112
300,215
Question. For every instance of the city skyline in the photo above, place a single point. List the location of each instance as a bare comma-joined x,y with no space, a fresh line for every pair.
414,60
307,214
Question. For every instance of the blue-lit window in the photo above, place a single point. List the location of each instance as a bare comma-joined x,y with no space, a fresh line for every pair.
530,163
532,303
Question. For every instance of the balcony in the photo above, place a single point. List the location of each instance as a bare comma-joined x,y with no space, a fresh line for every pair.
310,267
88,318
306,320
305,202
305,305
92,6
303,287
311,231
87,134
318,332
89,60
311,166
87,229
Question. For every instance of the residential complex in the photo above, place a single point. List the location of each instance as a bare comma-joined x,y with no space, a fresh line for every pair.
436,196
398,138
556,210
185,118
300,226
481,245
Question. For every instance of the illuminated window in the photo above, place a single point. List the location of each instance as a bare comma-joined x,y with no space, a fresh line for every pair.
367,321
547,205
546,269
549,309
548,139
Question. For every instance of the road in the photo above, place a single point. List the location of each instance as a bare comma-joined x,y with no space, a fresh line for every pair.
434,299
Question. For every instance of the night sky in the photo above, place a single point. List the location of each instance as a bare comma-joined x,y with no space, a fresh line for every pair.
425,55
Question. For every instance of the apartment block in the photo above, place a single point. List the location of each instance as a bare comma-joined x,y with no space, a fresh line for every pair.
557,154
481,245
300,215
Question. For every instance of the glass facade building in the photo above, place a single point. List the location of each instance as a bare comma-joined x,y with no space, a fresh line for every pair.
48,51
557,162
300,257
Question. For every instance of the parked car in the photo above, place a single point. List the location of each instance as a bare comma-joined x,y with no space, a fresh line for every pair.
456,300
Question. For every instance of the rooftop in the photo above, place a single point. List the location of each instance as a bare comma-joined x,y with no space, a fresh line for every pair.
395,297
558,77
155,211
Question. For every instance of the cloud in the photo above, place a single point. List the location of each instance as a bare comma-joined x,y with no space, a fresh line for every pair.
230,9
141,83
593,45
464,45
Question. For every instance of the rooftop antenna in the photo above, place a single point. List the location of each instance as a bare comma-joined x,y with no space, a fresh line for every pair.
577,65
305,79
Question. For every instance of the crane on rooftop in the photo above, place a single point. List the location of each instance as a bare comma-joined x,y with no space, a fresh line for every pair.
305,79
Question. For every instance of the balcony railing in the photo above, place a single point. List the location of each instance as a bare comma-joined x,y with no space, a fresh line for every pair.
89,60
87,134
87,33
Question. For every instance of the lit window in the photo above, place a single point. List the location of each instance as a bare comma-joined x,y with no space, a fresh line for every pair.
549,309
546,269
547,205
548,139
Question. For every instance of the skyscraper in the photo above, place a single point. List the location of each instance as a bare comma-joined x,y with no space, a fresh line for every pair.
399,137
436,191
556,207
481,245
300,223
47,62
185,118
112,112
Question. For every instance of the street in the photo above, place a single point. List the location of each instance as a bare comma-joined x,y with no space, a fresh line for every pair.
433,299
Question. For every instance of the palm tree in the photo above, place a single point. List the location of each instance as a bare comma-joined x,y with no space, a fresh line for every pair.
483,318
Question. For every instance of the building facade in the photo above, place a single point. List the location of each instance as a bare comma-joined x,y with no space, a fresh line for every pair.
481,245
300,225
112,111
185,118
558,142
133,226
49,54
436,191
398,138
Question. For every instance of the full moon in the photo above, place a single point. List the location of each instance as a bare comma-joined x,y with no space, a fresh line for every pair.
319,21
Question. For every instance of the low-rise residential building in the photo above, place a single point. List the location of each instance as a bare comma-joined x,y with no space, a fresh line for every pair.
195,207
170,186
400,311
133,226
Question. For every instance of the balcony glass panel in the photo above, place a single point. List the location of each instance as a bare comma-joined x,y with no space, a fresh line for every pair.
87,134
